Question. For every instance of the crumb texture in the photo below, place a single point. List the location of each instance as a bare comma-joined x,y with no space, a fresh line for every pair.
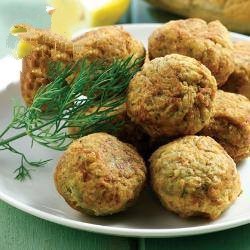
172,95
230,124
209,43
100,175
194,176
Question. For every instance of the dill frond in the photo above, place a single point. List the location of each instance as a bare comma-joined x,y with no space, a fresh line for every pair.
64,103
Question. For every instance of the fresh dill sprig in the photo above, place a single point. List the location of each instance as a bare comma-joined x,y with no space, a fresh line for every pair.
64,102
23,171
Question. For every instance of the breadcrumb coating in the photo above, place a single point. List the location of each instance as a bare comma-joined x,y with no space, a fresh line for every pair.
239,80
209,43
194,176
171,95
230,124
100,175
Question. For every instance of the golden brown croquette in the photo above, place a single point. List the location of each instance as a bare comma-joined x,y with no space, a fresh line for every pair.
171,95
239,80
230,124
209,43
194,176
100,175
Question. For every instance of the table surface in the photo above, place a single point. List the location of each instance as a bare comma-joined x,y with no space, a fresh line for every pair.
21,231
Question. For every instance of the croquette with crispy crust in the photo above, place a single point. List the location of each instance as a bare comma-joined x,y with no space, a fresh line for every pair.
105,44
239,80
194,176
46,46
108,43
230,124
171,95
100,175
209,43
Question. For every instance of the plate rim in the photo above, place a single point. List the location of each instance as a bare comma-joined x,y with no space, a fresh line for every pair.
119,231
125,232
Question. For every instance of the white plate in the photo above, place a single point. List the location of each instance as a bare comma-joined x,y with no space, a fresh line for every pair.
147,219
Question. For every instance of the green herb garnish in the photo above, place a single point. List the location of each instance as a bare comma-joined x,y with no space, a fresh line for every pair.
61,104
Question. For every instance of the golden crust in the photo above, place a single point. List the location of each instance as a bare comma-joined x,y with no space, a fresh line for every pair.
209,43
100,175
239,80
46,47
33,75
230,124
108,43
172,95
194,176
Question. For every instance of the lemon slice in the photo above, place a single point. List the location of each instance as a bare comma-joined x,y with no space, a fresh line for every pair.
69,15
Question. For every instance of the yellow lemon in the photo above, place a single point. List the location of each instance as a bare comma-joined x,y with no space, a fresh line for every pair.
69,15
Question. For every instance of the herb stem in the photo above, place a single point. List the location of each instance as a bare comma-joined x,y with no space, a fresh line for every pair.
20,135
13,138
5,131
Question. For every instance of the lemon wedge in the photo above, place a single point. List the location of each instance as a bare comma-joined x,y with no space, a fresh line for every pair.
65,16
69,15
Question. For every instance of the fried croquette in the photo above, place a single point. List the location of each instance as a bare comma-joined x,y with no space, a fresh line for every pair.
171,95
45,46
239,80
230,124
105,44
108,43
100,175
209,43
194,176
